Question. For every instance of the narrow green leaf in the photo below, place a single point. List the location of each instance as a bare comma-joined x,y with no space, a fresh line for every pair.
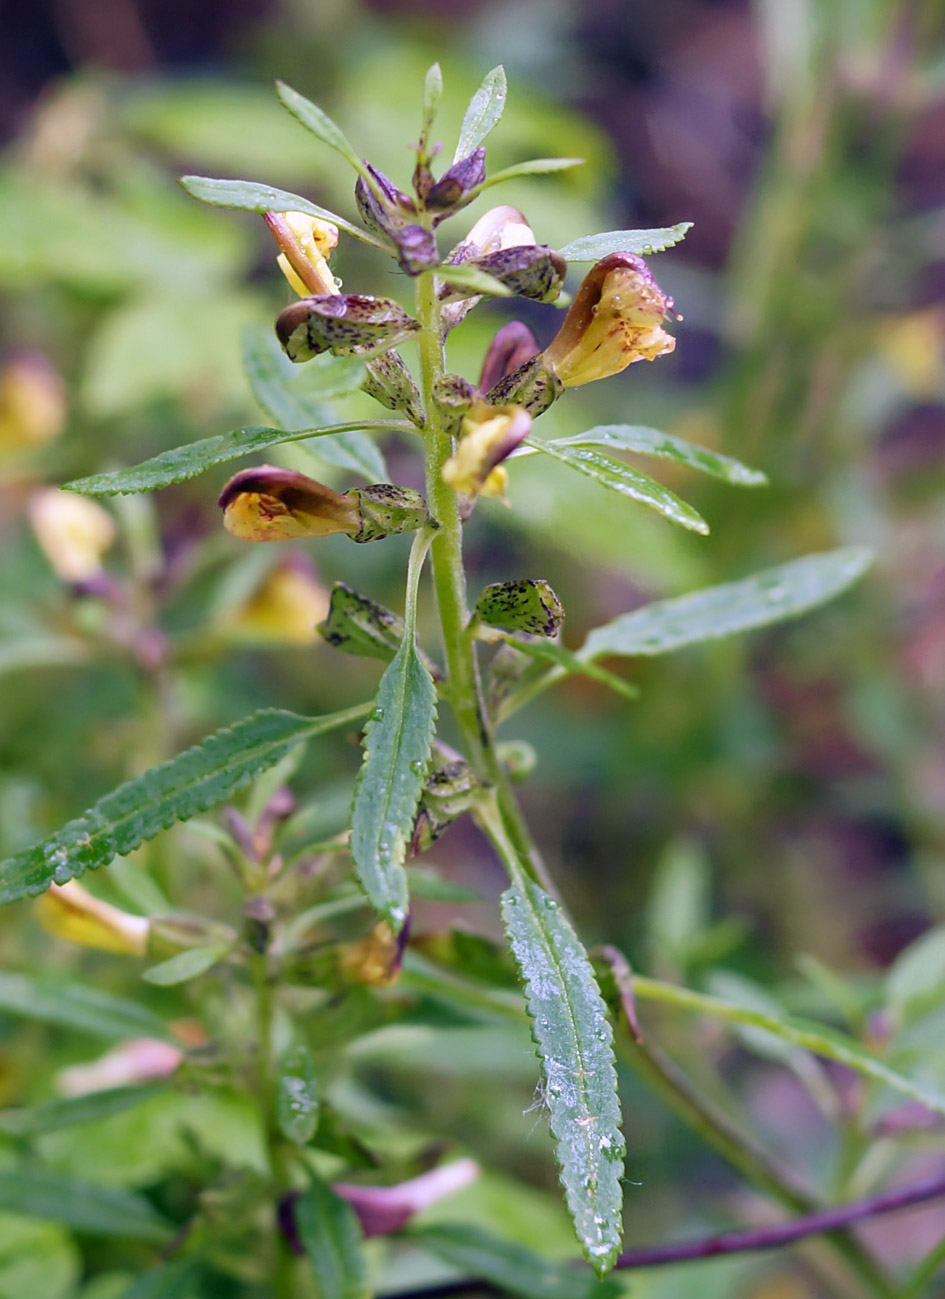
915,982
172,1281
294,398
83,1206
472,278
769,597
550,652
188,461
591,248
432,94
329,1230
511,1267
533,167
317,121
247,196
71,1111
573,1036
197,779
818,1040
70,1005
651,442
621,478
397,743
297,1099
485,108
186,965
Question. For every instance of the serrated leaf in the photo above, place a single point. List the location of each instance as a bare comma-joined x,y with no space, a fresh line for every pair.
573,1036
247,196
618,477
550,652
510,1267
297,1096
197,779
329,1230
294,399
172,1281
317,121
533,167
186,965
71,1005
83,1206
651,442
485,108
185,462
397,742
819,1041
71,1111
472,278
769,597
591,248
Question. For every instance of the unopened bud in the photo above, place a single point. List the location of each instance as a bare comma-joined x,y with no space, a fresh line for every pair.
341,323
533,385
416,249
518,757
32,403
273,504
457,186
389,382
447,793
384,1210
139,1060
534,271
69,911
453,397
498,229
526,604
489,434
614,320
385,209
73,533
360,626
513,345
305,242
376,959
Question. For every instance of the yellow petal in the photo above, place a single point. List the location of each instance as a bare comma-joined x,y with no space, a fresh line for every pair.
69,911
273,504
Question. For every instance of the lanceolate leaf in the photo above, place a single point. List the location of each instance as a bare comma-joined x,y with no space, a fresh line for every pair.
818,1040
650,442
71,1111
512,1268
397,743
195,780
247,196
297,1099
172,1281
73,1006
772,596
625,480
98,1210
571,1031
552,652
317,121
591,248
189,461
294,399
485,108
533,167
331,1235
186,965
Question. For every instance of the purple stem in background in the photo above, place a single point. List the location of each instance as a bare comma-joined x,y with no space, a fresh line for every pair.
738,1242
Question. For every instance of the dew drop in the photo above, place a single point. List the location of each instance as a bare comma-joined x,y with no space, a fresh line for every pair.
377,715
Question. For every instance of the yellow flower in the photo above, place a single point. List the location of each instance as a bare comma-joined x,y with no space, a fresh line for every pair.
72,532
614,320
374,959
305,242
70,911
283,610
487,436
32,403
272,504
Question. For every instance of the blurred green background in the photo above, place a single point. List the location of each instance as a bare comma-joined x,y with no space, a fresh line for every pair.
773,806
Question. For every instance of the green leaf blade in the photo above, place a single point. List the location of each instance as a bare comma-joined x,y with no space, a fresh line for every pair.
651,442
591,248
186,965
483,113
297,1096
621,478
73,1006
330,1233
472,278
317,121
72,1111
172,1281
573,1037
83,1206
769,597
247,196
197,779
531,167
397,742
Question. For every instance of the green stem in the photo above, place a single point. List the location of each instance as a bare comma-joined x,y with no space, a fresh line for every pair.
267,1095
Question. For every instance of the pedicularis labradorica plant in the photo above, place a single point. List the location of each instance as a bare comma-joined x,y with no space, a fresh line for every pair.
497,650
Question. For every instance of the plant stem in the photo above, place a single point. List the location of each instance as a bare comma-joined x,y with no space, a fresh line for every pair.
266,1093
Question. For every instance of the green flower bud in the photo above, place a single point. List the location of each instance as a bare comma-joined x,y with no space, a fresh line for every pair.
341,323
447,793
385,510
533,385
453,397
359,626
456,187
389,382
525,604
534,271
